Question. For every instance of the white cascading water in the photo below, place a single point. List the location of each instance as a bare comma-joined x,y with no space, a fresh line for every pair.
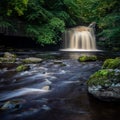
79,39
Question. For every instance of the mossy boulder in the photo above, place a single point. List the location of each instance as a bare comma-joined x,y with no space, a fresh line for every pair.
105,77
32,60
87,58
111,63
8,58
105,84
22,68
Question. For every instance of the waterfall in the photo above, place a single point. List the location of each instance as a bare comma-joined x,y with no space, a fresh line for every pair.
80,38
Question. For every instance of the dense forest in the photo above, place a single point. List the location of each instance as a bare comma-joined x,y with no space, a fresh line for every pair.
46,20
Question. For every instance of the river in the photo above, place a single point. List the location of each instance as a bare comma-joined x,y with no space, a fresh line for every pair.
54,89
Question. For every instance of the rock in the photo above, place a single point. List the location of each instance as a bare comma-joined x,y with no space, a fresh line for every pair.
8,58
107,94
58,62
9,55
32,60
12,105
46,88
111,63
105,84
87,58
22,68
45,107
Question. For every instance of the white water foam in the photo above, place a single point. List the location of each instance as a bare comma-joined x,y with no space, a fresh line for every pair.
20,92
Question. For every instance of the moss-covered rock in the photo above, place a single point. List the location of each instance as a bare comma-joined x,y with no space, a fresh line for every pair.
87,58
105,77
8,58
111,63
9,55
105,84
22,68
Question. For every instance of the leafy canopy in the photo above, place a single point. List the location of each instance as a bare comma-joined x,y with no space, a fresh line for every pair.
45,20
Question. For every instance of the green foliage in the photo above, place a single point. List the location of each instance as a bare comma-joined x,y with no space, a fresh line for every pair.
87,58
45,20
111,63
48,33
48,20
65,17
107,15
14,6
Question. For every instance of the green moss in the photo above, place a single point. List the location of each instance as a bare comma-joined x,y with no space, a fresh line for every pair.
103,77
87,58
111,63
22,68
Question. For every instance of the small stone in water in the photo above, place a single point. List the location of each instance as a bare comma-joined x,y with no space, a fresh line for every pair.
46,88
12,105
45,107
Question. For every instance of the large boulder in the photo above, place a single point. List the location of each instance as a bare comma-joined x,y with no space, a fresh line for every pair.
105,83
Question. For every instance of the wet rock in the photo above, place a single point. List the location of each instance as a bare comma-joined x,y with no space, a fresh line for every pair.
9,55
87,58
8,58
12,105
46,88
105,84
59,62
32,60
45,107
22,68
108,94
111,63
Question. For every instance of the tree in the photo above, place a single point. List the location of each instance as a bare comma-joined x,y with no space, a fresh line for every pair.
43,20
46,20
107,16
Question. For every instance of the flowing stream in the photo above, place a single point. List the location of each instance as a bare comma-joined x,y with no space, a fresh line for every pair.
52,90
